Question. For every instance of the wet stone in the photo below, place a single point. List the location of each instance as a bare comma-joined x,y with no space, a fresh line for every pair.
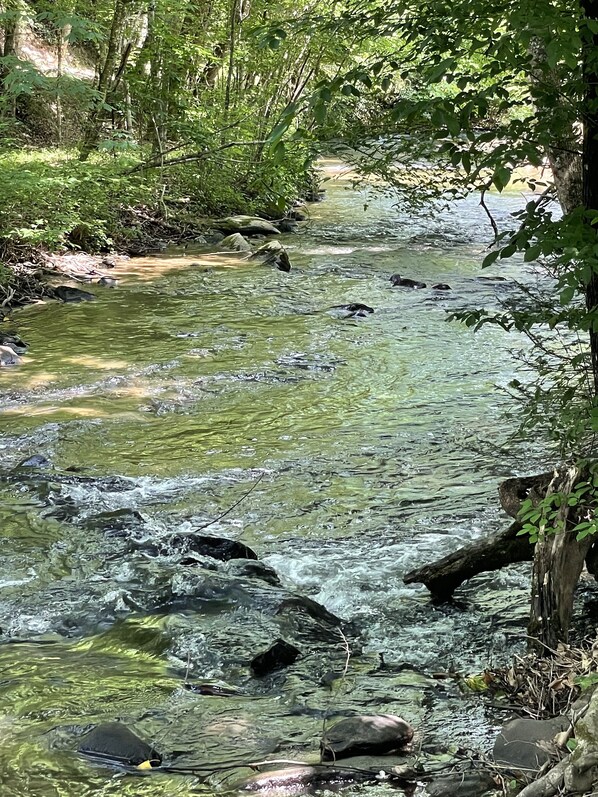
235,243
473,784
115,743
404,282
8,356
246,225
13,341
376,734
354,310
527,744
280,654
219,548
67,294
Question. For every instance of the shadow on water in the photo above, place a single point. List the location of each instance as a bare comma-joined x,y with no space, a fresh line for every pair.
188,383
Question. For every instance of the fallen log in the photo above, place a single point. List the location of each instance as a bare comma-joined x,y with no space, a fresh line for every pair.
491,553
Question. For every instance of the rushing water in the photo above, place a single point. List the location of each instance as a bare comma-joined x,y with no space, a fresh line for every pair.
371,447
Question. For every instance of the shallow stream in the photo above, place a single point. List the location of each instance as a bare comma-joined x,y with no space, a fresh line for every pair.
371,445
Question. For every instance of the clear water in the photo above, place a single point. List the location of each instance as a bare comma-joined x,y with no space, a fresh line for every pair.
376,443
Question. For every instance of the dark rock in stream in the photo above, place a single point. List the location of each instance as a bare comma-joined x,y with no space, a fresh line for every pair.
441,286
279,654
525,745
404,282
354,310
466,784
286,225
273,253
119,523
219,548
249,568
67,294
14,342
113,742
369,735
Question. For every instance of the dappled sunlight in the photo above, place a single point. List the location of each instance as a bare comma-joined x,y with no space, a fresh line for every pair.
29,381
149,267
97,362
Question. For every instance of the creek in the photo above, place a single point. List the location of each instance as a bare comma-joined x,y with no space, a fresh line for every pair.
374,441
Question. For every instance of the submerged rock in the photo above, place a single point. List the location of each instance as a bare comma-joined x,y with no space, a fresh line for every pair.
220,548
249,568
67,294
279,654
114,742
108,282
246,225
369,735
35,461
354,310
235,243
8,356
304,779
404,282
528,744
274,254
441,286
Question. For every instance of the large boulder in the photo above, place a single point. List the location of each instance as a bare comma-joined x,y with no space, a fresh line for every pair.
246,225
273,253
526,745
366,735
235,243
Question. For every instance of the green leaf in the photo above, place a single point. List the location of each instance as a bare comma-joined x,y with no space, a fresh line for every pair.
532,253
490,259
567,294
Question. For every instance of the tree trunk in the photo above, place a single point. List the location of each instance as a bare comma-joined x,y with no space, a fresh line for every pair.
94,122
558,562
491,553
590,166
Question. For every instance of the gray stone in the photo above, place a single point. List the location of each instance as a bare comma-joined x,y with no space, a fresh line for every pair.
13,341
527,744
235,243
8,356
274,254
376,734
246,225
469,784
114,742
68,294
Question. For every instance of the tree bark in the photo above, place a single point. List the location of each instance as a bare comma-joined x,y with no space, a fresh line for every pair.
94,122
443,577
558,562
590,167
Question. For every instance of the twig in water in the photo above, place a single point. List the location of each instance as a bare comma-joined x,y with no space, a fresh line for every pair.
230,509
